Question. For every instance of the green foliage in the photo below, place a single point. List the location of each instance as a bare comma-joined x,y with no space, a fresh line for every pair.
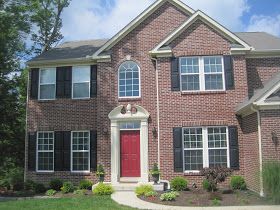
141,190
207,186
50,192
5,184
103,189
215,175
85,184
40,188
67,187
237,183
179,184
80,192
29,185
216,202
14,177
169,196
56,184
155,170
151,194
100,170
271,180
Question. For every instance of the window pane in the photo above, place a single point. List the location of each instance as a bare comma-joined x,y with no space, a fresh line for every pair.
213,64
213,82
81,90
47,76
218,158
217,137
193,138
81,74
190,82
80,161
80,151
193,159
45,151
129,79
47,91
189,65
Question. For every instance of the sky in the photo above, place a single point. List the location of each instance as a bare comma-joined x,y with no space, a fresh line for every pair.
94,19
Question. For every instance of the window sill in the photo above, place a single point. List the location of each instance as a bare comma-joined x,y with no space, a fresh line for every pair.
129,99
80,173
186,173
204,92
44,173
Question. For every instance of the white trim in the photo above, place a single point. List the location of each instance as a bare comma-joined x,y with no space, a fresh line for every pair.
88,81
37,152
261,100
71,156
139,19
139,85
202,74
205,149
39,84
206,19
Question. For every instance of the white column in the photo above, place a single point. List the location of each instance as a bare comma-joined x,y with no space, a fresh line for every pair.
144,151
115,152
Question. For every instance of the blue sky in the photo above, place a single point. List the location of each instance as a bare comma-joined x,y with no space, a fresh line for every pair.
92,19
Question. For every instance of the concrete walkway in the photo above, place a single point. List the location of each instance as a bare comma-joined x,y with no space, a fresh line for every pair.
129,198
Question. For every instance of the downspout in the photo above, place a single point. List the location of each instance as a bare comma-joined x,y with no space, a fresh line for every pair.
26,132
260,149
158,130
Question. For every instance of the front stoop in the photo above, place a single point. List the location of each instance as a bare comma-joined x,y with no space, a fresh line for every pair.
126,186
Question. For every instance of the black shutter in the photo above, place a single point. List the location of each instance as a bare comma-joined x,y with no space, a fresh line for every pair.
64,82
233,147
229,75
93,81
34,83
58,151
175,75
66,150
32,138
93,150
178,149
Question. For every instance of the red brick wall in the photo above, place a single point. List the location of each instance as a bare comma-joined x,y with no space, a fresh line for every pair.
259,71
251,150
270,122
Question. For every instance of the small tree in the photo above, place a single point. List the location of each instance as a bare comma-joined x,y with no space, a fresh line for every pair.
215,175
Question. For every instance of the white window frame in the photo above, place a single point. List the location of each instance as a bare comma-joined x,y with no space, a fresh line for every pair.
85,171
130,129
202,74
39,84
205,147
37,152
87,81
139,72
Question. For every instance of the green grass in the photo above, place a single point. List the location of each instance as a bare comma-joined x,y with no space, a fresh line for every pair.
78,202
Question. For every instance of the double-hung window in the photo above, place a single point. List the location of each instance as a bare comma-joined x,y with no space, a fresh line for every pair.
47,83
45,151
81,82
80,151
202,73
205,147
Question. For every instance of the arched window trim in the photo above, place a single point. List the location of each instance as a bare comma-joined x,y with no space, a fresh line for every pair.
139,71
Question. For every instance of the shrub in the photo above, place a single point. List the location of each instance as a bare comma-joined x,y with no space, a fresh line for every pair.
179,184
67,187
5,184
80,192
216,202
39,188
169,196
85,184
151,194
215,175
103,189
237,183
15,178
206,186
29,185
143,189
51,192
271,180
56,184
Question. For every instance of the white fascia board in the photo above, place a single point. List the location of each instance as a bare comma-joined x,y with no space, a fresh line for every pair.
261,100
206,19
133,24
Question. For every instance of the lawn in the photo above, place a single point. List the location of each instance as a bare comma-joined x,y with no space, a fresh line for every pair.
77,202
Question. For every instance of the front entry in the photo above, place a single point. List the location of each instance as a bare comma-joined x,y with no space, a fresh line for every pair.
130,153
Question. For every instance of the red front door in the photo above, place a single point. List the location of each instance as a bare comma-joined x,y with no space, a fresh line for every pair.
130,153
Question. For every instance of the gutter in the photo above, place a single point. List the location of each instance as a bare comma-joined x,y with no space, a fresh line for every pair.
26,132
158,128
260,150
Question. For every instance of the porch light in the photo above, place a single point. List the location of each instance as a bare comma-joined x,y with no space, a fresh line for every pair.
105,131
274,138
154,131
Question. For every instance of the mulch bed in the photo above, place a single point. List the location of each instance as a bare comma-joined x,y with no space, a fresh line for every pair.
199,197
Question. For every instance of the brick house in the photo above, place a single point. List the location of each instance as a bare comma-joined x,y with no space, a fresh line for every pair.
173,87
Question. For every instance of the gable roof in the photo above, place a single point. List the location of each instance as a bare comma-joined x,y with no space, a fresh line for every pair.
265,96
261,41
70,50
140,18
206,19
